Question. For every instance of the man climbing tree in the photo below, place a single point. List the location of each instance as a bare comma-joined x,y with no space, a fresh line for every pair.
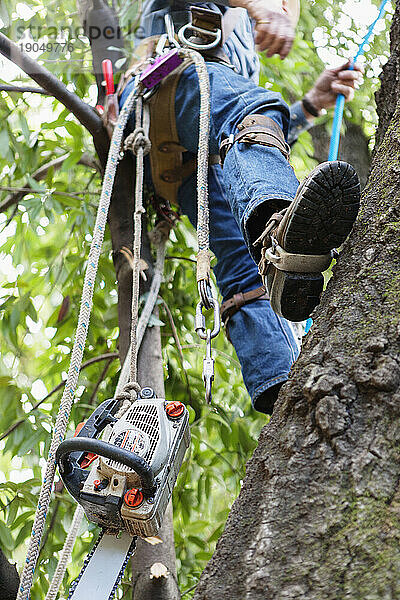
250,193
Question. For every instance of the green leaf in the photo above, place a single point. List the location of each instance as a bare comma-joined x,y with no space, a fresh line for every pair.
6,540
31,442
4,143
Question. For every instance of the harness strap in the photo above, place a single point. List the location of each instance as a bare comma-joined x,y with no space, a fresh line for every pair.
293,263
256,129
166,152
187,169
231,306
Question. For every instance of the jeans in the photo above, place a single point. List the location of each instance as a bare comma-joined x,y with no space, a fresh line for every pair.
254,182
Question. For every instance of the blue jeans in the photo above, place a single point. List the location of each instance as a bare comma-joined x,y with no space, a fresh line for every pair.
254,182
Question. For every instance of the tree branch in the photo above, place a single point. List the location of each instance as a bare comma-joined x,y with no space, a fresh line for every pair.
110,356
23,89
86,159
82,111
100,380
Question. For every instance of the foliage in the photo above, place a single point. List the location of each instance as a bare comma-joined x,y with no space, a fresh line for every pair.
44,244
329,33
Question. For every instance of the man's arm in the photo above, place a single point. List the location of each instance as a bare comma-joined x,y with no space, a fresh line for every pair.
322,95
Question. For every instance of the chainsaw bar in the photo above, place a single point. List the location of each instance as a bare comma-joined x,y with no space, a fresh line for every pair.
105,564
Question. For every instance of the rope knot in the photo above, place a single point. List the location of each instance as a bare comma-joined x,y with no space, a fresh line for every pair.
138,139
127,390
160,233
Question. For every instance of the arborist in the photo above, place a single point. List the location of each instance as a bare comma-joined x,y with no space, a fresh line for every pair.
272,239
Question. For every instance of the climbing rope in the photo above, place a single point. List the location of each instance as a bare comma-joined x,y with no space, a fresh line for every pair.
203,233
65,554
140,145
340,100
77,351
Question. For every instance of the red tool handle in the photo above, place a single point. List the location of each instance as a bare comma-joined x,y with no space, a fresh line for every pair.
108,76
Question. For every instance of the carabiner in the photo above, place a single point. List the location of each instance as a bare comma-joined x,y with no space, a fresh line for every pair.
205,293
169,26
200,321
208,368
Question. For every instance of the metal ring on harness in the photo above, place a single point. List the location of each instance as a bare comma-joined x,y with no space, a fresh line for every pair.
203,32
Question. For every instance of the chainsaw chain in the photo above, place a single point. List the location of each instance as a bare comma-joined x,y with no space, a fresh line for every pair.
130,552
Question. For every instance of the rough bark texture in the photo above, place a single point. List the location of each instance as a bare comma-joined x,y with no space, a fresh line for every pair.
318,517
9,579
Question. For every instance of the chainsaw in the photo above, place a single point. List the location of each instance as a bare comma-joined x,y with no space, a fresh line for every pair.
123,481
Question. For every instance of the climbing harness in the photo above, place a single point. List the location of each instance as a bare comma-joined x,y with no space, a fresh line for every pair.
340,101
124,481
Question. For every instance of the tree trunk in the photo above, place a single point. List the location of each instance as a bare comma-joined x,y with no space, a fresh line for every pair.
318,517
353,148
9,579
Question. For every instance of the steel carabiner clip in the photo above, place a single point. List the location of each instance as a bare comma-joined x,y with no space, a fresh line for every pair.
200,320
207,334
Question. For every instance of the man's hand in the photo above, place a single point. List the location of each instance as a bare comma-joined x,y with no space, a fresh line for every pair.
274,32
333,82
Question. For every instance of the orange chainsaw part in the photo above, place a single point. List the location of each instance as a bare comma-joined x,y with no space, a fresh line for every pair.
133,498
89,456
78,428
174,409
88,459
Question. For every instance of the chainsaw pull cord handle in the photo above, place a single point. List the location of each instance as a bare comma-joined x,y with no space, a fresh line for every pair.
340,100
125,457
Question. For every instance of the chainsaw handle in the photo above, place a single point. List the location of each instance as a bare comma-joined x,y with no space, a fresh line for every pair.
127,458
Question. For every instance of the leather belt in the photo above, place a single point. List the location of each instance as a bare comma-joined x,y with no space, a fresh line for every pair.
231,306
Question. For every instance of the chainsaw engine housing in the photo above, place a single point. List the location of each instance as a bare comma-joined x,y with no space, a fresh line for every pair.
112,493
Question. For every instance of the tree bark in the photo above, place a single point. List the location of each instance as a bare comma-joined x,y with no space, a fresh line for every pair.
318,517
9,579
353,148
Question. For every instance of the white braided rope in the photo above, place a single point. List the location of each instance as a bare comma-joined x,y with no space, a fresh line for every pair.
140,148
65,554
77,351
202,152
145,314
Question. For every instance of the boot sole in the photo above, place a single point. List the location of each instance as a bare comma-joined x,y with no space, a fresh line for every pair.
323,214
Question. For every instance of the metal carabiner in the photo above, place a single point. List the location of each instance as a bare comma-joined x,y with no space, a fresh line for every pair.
169,26
200,320
208,368
161,44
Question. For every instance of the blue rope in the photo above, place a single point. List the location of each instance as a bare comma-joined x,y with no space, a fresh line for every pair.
338,116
